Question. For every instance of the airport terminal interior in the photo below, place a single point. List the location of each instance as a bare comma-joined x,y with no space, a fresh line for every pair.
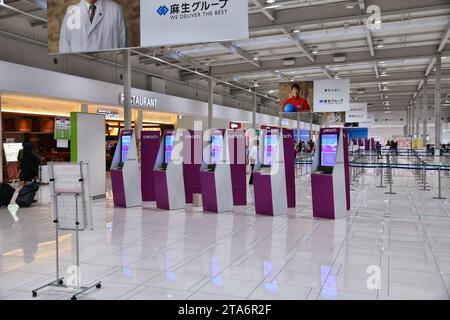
300,151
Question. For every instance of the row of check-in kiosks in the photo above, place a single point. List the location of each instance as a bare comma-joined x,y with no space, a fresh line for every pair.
184,164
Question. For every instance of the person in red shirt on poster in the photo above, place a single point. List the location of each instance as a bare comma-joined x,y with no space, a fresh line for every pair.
296,103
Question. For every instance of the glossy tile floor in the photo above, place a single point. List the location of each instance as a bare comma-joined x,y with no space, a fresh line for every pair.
403,239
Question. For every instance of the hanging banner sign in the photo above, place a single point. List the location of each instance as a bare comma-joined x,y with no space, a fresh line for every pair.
332,95
62,128
76,26
357,113
189,21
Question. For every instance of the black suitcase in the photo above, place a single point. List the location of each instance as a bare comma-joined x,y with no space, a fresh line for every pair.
6,194
27,194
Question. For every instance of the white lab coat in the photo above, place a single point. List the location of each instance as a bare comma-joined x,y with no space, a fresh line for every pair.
107,31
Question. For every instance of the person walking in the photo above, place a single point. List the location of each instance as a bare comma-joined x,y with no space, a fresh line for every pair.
253,158
378,148
28,164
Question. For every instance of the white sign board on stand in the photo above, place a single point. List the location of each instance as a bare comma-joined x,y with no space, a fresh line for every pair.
67,180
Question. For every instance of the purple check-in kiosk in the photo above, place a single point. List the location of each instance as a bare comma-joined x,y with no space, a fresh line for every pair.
168,172
193,159
215,173
125,175
329,181
270,175
238,166
289,166
150,144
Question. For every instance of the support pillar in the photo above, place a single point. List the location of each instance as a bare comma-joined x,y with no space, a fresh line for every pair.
425,111
255,105
210,103
127,89
437,104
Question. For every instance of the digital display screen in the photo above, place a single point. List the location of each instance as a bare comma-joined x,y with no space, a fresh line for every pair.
169,140
329,144
125,144
270,147
216,147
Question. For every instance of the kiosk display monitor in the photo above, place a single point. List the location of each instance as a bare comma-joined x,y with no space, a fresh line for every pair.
125,144
270,145
329,144
216,147
169,141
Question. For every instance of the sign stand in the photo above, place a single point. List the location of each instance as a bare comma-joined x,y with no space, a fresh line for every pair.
77,192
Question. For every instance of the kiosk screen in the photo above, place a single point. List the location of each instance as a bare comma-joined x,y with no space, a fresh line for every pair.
270,145
329,144
216,146
125,144
169,140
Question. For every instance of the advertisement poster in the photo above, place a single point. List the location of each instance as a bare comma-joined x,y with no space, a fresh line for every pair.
62,129
333,118
76,26
332,95
357,113
358,133
296,96
404,143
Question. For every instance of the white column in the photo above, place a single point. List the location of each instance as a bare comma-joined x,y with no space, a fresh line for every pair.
84,108
298,127
210,103
310,126
138,123
437,104
255,105
418,111
127,89
413,118
425,111
1,139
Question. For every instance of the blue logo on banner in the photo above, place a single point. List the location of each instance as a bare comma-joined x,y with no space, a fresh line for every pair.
162,10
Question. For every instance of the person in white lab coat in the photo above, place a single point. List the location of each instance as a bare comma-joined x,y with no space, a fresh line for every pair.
93,25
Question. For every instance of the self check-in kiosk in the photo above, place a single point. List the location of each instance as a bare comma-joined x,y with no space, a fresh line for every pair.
238,166
215,173
329,181
193,159
289,165
125,175
150,143
168,172
270,175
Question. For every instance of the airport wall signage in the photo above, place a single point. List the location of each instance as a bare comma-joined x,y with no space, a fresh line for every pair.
357,113
109,114
76,26
332,95
140,101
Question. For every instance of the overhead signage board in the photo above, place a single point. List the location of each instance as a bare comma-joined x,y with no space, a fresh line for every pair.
189,21
109,114
332,95
357,113
76,26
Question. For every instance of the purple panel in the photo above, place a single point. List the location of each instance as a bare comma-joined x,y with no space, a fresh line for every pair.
289,158
150,142
263,194
209,195
322,195
118,188
161,192
238,168
192,156
347,168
